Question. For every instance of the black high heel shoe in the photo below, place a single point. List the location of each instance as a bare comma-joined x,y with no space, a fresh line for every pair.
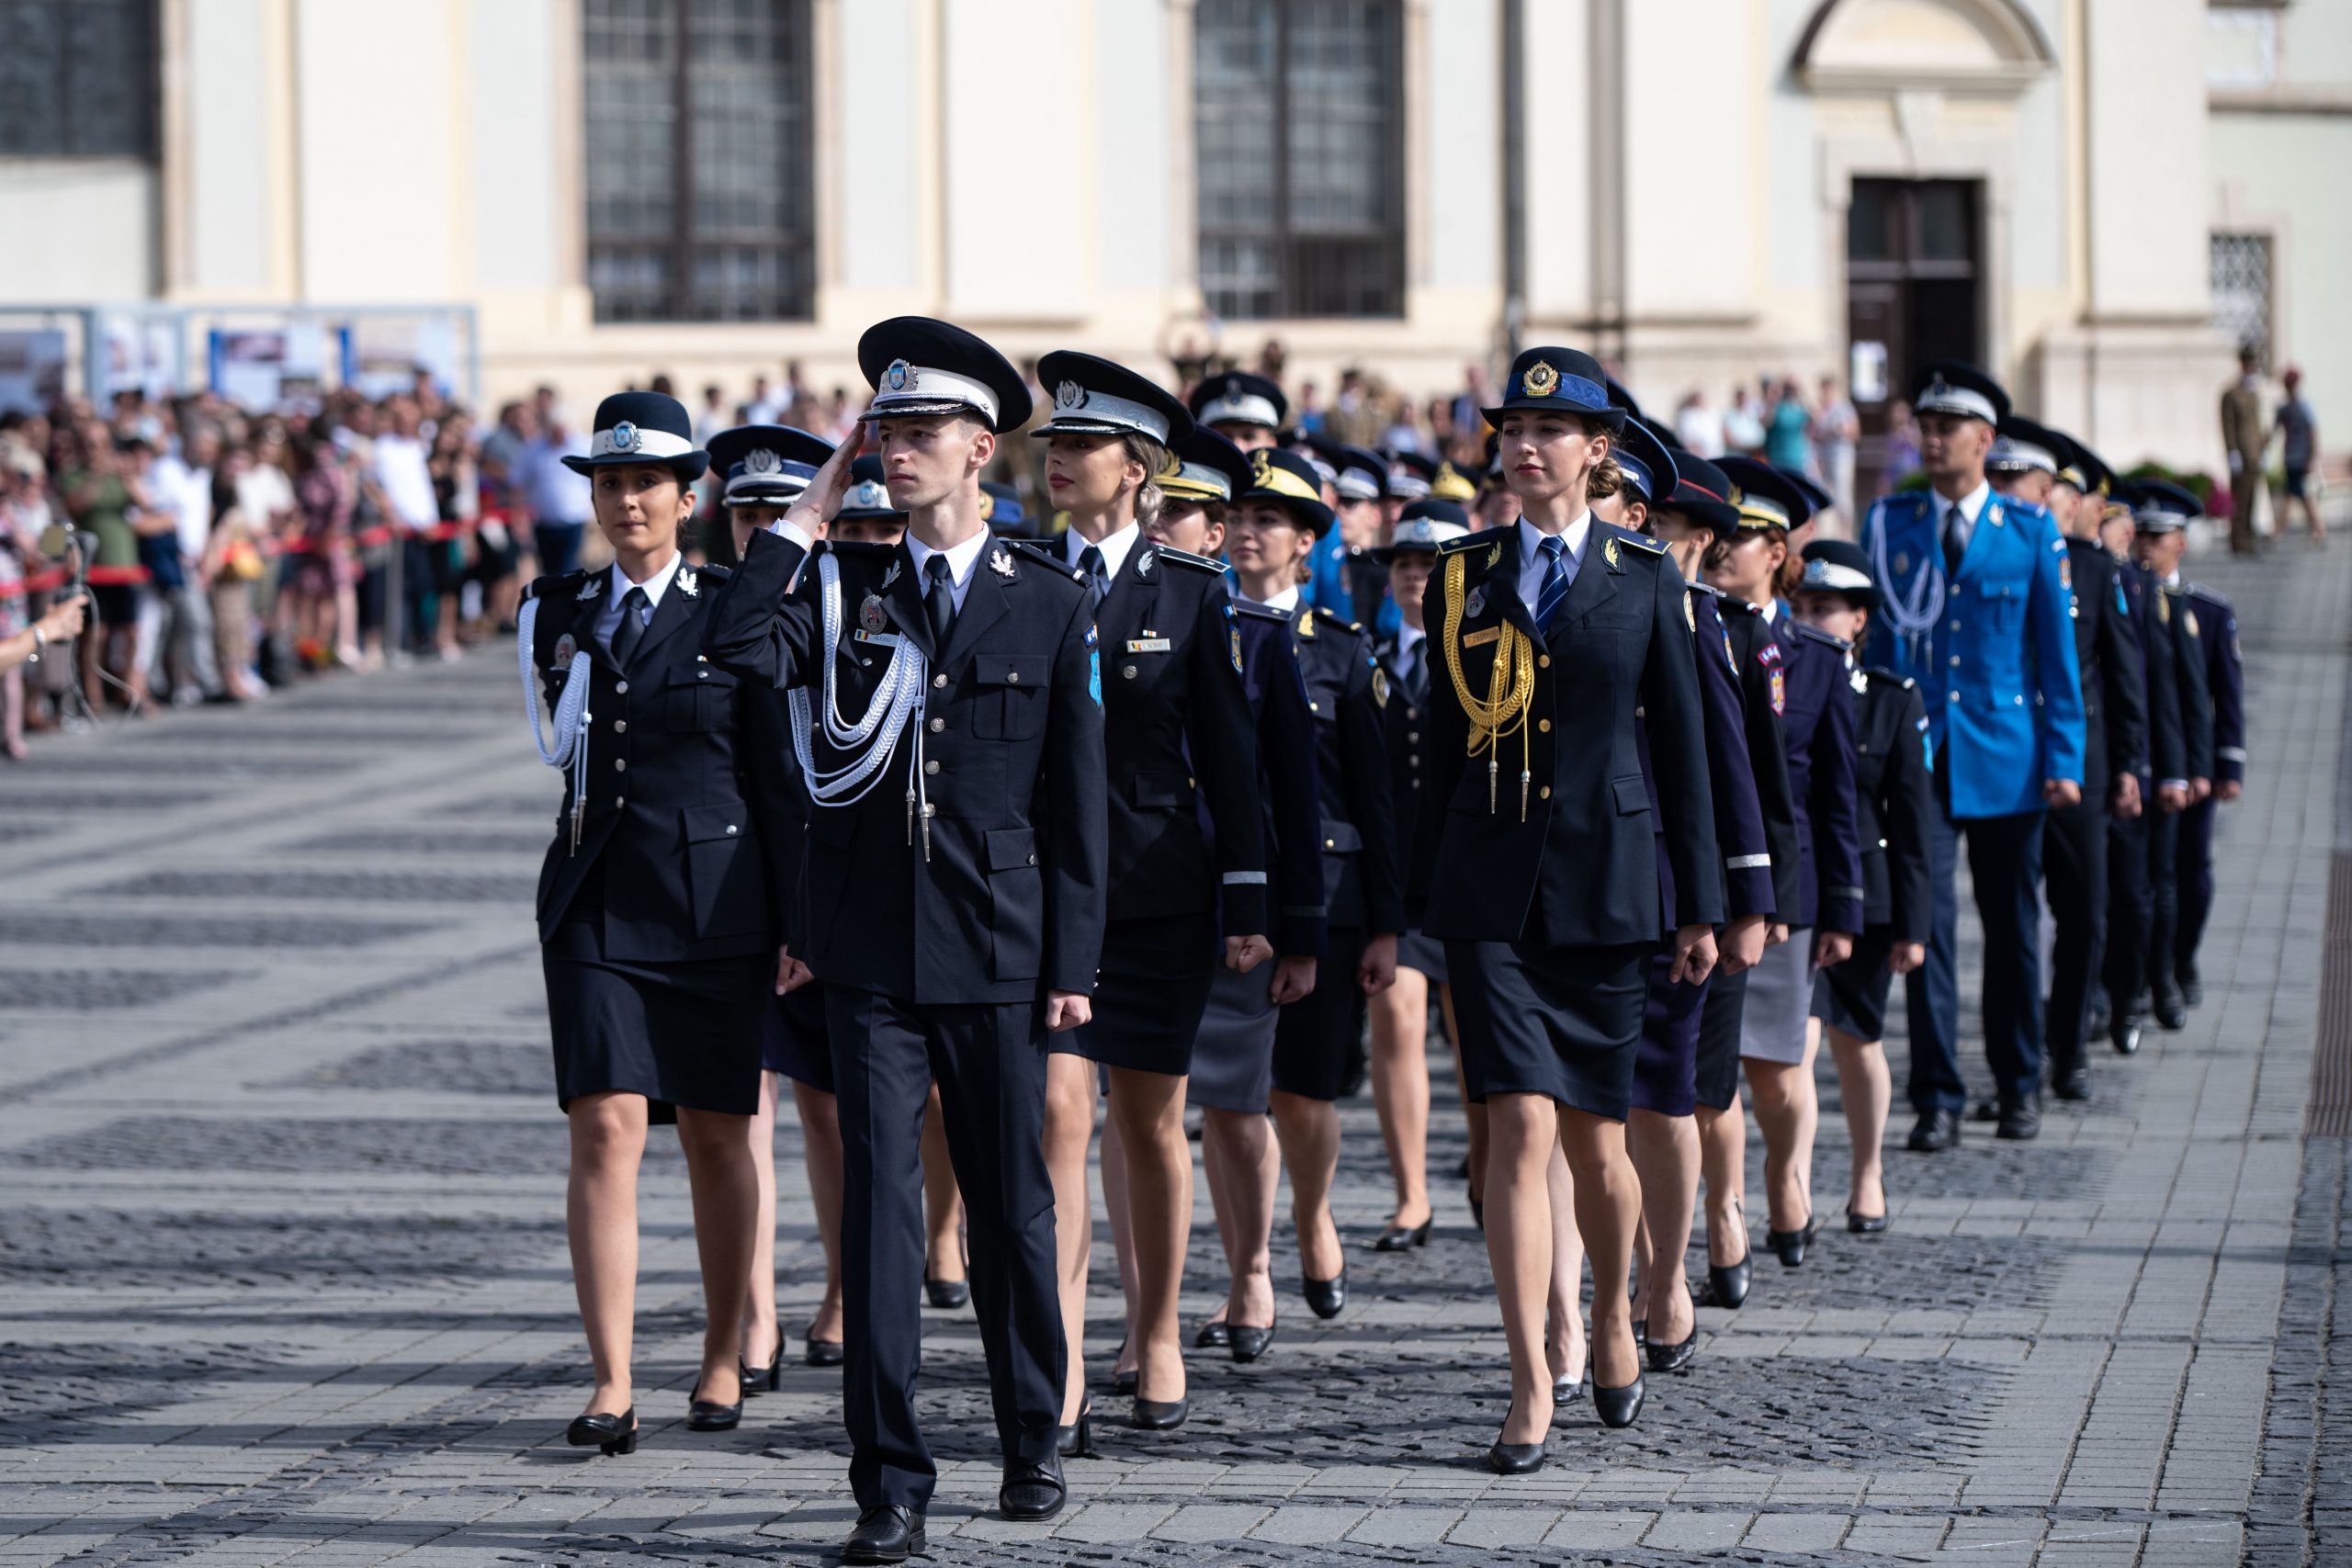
1160,1415
1214,1336
1515,1459
1728,1284
767,1379
821,1352
613,1434
1247,1342
1565,1393
1664,1357
1790,1245
947,1295
1123,1383
1618,1406
1077,1441
710,1415
1328,1298
1397,1239
1865,1224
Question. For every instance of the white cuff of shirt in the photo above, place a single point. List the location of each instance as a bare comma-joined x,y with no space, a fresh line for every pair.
791,533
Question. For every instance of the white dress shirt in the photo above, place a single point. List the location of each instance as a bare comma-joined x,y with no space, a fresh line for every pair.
1533,563
1286,600
962,561
618,589
1972,508
1115,548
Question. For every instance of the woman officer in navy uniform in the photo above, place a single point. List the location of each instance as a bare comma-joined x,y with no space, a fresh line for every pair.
662,901
1173,713
1807,671
1555,635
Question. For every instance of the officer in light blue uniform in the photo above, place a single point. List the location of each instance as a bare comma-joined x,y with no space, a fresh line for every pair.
1979,612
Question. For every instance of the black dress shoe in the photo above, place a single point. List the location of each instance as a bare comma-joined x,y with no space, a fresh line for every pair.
1515,1459
823,1352
767,1379
1726,1284
1397,1239
1619,1406
1865,1224
2126,1037
1031,1492
1160,1414
614,1433
2072,1082
2192,986
1985,1110
1790,1245
947,1295
2096,1021
1934,1133
710,1415
1077,1440
1214,1336
1247,1342
2020,1123
1328,1298
887,1534
1664,1357
2171,1016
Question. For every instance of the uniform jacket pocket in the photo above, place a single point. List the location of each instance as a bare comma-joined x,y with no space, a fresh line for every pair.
1012,701
1162,790
1632,794
726,877
698,696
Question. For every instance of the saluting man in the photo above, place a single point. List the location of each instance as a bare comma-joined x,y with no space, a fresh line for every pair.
1978,611
955,880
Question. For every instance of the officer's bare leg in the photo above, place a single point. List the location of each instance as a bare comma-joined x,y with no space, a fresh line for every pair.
1524,1135
1607,1205
1400,1089
1309,1132
1238,1147
1123,1234
1787,1111
726,1193
759,1300
943,1206
1148,1110
1722,1167
1069,1130
1865,1086
820,1140
1564,1348
600,1217
1665,1151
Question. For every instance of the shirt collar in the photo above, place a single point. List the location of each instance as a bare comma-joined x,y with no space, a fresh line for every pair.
1286,600
1573,535
1407,636
1972,505
962,559
654,586
1115,548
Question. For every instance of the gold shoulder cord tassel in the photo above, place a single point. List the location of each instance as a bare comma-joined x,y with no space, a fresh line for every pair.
1510,693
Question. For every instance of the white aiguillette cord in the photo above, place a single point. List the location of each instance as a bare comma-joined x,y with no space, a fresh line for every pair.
1912,619
872,740
570,712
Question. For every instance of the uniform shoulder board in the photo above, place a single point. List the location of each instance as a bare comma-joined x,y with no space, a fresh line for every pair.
1641,542
1815,633
1889,678
713,573
2220,601
1741,606
1467,542
1055,566
1709,591
1259,612
1338,623
1185,557
547,587
858,549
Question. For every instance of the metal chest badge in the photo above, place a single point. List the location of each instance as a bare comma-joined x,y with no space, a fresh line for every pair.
1379,686
1235,633
871,615
564,650
1476,605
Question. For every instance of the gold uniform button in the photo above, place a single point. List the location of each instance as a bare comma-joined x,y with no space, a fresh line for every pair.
1545,792
932,766
1543,661
1312,706
1331,843
937,725
1544,726
940,679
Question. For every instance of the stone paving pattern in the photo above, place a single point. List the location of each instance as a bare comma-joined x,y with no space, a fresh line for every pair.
283,1279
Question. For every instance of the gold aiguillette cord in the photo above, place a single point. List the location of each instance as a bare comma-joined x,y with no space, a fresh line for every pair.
1510,691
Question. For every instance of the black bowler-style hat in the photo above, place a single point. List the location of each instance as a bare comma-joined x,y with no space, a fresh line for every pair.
2160,506
1817,497
1205,466
1953,386
1358,473
1421,527
1288,479
1237,397
1763,496
2088,472
1558,380
1643,459
1093,396
765,465
918,366
1839,566
2021,445
643,428
868,495
1702,493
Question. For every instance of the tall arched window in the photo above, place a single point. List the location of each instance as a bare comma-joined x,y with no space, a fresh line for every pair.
77,79
699,200
1299,110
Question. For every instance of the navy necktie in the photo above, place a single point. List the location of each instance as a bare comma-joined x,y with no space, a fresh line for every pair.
1417,673
940,600
1556,578
631,631
1098,574
1955,537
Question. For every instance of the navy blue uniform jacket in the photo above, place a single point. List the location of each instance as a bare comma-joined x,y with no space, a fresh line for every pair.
1010,900
1345,693
1761,698
2115,716
1894,795
2217,629
1291,806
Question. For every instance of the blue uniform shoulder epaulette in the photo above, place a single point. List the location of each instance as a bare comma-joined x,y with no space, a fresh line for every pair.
1260,611
1467,542
2200,590
1641,542
1889,678
1055,566
1333,618
1709,591
540,587
715,573
1815,634
1186,558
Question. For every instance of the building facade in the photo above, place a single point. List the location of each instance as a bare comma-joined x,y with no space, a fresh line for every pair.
2098,199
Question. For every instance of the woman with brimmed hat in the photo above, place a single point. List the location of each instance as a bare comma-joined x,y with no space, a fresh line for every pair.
1895,795
662,901
1557,635
1178,735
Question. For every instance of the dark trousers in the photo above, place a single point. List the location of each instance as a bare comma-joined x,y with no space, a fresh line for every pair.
2005,860
2194,877
2074,864
989,1062
2163,882
2130,908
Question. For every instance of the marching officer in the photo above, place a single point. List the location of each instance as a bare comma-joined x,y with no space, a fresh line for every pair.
1245,408
2034,464
662,901
2162,784
956,857
2217,621
1544,870
1978,611
2162,512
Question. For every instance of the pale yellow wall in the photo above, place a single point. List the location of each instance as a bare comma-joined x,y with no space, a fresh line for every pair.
1018,152
377,119
83,231
227,208
2146,146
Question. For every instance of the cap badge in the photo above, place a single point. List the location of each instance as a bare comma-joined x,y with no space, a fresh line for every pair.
689,585
1541,380
760,460
1937,388
870,614
1001,562
868,496
899,378
1233,386
1070,395
1261,467
625,437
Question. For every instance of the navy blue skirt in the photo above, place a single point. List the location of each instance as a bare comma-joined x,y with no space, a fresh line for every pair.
1153,987
1319,1039
680,1034
1564,1022
1666,1070
1718,1077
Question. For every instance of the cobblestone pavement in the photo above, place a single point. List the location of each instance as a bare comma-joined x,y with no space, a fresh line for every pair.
282,1273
